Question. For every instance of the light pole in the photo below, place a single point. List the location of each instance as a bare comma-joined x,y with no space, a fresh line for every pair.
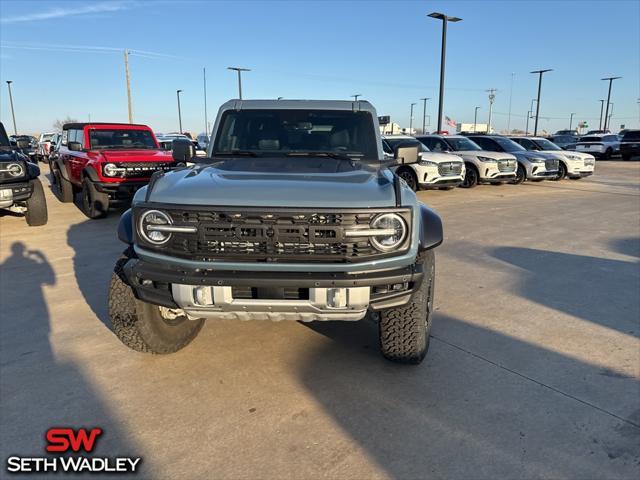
601,110
475,120
492,97
179,111
571,121
610,80
355,97
445,19
239,70
526,129
610,115
539,72
13,114
510,97
206,118
424,113
128,80
411,119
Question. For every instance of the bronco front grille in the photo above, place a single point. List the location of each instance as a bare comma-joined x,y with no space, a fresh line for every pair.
141,169
275,235
450,168
506,165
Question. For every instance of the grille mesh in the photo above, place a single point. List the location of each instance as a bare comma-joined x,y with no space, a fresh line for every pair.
450,168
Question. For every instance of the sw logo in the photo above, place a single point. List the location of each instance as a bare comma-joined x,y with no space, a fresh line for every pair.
69,441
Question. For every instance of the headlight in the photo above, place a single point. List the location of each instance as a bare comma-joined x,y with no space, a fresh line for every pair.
395,231
428,163
536,160
15,170
111,170
487,159
152,227
573,157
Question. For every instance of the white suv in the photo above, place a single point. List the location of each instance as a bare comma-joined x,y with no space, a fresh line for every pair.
603,145
574,165
434,170
482,166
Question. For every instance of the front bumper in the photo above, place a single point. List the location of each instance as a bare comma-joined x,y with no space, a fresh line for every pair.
356,293
430,177
14,192
120,190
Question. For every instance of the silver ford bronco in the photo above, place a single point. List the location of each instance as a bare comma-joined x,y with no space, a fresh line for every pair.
293,215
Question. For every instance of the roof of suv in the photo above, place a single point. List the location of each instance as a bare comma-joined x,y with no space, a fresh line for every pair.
360,105
74,126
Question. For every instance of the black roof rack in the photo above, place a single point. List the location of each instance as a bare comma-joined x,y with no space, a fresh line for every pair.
68,126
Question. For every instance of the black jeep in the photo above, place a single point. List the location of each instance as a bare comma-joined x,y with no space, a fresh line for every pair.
20,187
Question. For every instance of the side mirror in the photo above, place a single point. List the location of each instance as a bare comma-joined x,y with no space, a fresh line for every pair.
407,155
183,150
75,146
23,143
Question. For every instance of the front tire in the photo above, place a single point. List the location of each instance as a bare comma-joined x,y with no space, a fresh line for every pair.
37,214
562,172
145,327
62,187
607,154
409,176
404,331
521,175
471,177
94,204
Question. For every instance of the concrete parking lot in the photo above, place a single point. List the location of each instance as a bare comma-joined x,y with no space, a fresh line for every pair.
533,369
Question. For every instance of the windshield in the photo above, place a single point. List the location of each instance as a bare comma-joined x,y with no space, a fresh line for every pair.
406,142
545,144
508,145
263,132
121,138
462,144
47,137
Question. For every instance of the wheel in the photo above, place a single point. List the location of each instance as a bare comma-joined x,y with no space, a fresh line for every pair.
562,171
409,176
36,205
470,177
145,327
521,175
94,204
62,187
607,154
404,331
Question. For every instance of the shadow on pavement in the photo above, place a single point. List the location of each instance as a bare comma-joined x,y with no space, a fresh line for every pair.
38,389
426,421
96,250
602,291
627,246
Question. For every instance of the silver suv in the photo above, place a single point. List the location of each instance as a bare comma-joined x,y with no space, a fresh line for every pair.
482,166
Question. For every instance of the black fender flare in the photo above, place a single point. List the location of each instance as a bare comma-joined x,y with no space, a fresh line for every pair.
91,173
33,170
125,227
62,169
431,232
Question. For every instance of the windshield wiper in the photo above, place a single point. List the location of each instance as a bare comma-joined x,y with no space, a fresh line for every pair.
336,155
237,153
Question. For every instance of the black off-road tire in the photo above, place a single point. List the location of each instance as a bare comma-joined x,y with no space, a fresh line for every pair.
409,176
94,204
36,214
471,177
404,331
62,187
608,154
521,175
140,326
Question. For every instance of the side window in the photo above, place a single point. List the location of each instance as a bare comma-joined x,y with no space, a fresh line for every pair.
610,138
80,137
428,142
386,147
438,146
65,135
526,143
71,136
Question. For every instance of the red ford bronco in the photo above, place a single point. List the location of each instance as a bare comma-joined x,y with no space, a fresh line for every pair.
106,163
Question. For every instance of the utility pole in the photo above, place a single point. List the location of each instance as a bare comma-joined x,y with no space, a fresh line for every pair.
601,110
540,73
126,70
424,114
239,70
610,115
526,129
492,97
206,118
445,19
13,114
475,120
571,121
610,80
179,111
355,97
510,97
411,119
